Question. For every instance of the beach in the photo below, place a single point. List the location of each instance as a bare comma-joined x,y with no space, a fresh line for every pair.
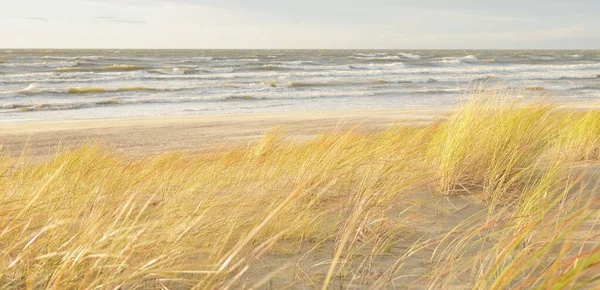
146,136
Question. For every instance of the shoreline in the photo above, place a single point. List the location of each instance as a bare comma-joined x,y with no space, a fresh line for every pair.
409,114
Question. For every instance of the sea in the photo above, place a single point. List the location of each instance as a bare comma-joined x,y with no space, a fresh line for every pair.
98,84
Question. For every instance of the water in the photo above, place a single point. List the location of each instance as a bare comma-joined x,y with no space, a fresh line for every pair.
80,84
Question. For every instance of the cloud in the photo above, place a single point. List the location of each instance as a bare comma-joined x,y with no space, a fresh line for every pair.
119,20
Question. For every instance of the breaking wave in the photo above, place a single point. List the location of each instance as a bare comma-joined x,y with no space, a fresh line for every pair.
378,66
112,68
87,57
173,71
35,89
469,59
409,55
378,58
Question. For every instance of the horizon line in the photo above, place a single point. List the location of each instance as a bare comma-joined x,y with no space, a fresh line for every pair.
117,48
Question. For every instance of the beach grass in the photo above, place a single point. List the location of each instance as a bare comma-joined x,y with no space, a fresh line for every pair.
346,209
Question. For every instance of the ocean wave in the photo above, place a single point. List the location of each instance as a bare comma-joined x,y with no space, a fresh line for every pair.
378,58
111,68
409,55
590,89
397,81
173,71
376,54
291,95
269,67
58,106
300,66
38,64
394,65
485,79
30,107
71,78
296,62
218,70
540,57
434,91
87,57
195,60
35,89
570,78
242,97
237,60
469,59
301,84
202,58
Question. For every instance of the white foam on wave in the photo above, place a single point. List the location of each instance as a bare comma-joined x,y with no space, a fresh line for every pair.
541,57
237,60
219,70
174,70
376,54
296,62
38,89
389,57
469,59
200,58
39,64
394,65
409,55
305,65
84,57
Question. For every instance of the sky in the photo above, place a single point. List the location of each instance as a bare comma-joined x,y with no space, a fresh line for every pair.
301,24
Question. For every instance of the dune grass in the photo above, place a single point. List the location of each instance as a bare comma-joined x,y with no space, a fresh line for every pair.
487,143
580,139
347,209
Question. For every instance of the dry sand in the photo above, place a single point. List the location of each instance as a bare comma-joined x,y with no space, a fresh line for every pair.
155,135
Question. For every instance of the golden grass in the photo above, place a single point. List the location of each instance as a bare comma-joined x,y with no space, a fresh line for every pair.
347,209
580,138
487,143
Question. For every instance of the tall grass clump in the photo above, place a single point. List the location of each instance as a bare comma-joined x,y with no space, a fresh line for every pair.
579,139
487,143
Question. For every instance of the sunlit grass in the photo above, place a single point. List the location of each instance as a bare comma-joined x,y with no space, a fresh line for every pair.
345,209
580,138
487,143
